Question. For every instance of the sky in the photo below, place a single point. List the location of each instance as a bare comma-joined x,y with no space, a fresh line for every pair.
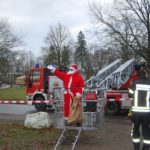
32,18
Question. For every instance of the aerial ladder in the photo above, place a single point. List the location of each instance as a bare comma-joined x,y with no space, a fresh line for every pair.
118,77
123,73
116,88
103,74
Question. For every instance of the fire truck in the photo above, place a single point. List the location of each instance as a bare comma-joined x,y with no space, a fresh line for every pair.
114,79
39,87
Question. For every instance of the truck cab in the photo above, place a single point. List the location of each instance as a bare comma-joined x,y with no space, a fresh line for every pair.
37,86
37,80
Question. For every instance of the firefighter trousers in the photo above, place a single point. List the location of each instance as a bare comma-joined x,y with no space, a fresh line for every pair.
141,119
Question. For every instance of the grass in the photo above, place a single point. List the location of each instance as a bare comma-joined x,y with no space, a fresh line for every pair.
13,93
17,137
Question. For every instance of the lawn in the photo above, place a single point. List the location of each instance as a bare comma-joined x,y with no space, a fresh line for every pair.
18,92
17,137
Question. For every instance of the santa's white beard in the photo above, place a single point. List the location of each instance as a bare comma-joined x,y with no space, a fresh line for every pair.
71,72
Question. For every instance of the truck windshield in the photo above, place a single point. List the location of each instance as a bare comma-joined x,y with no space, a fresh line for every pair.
35,75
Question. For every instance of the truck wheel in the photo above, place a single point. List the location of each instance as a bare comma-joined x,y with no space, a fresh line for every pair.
112,108
39,106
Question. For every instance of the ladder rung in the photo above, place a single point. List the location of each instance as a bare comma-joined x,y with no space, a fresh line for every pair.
73,128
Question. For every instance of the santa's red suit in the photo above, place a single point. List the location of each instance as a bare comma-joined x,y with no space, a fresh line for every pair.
73,84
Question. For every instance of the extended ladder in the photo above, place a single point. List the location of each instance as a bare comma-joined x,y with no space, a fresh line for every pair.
123,73
103,74
70,136
119,76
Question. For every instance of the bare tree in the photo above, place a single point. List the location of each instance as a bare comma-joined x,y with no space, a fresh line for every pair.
127,25
101,58
57,42
8,41
22,61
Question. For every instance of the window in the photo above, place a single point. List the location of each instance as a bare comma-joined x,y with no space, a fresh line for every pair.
35,75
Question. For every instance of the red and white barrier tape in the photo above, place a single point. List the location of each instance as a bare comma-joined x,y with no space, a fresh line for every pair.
26,102
121,99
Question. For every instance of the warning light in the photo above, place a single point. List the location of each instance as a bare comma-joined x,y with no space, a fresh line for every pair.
37,65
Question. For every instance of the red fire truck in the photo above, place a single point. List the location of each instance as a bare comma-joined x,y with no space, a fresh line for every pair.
117,98
115,80
39,87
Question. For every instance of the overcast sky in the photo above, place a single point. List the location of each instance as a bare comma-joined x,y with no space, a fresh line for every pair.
32,18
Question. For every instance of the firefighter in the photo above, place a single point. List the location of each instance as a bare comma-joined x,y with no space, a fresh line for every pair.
73,84
140,91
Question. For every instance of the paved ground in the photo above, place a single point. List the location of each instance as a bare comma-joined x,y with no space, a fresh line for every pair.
114,135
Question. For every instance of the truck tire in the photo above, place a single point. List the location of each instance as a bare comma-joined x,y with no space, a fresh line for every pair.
39,106
112,108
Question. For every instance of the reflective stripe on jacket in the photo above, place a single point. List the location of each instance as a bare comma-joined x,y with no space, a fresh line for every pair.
141,93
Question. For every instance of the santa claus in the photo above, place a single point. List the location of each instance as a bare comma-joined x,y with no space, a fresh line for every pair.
73,84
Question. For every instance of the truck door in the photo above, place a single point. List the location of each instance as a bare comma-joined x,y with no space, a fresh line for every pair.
46,79
34,81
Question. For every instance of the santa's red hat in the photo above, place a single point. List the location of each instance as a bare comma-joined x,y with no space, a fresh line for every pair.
74,67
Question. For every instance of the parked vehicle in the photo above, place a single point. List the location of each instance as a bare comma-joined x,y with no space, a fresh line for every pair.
115,81
39,86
